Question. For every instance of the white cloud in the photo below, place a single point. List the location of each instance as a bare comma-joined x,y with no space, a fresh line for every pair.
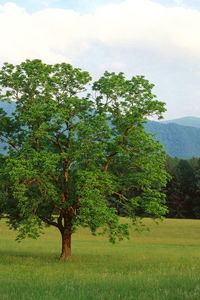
53,33
135,36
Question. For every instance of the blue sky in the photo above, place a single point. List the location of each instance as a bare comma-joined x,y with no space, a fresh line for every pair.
78,5
88,5
155,38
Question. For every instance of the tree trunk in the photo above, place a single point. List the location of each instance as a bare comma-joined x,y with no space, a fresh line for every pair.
66,245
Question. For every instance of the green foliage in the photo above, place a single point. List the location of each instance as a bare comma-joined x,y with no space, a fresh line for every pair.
71,156
183,197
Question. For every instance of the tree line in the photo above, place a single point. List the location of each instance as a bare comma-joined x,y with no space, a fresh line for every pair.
183,188
182,191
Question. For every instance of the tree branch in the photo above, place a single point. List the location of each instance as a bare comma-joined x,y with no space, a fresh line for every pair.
6,141
49,222
109,158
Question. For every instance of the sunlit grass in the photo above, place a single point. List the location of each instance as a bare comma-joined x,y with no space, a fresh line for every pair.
161,264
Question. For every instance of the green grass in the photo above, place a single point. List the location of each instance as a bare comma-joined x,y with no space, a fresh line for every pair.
161,264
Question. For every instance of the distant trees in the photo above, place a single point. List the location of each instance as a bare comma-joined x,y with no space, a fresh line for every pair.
183,189
74,156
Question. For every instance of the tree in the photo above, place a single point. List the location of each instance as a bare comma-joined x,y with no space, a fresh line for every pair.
195,187
181,189
72,156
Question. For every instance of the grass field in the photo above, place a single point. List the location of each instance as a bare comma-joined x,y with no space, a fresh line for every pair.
161,264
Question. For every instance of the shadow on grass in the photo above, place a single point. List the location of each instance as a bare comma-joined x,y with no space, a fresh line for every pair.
45,258
27,257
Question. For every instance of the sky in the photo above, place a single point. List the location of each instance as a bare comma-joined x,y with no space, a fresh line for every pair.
156,38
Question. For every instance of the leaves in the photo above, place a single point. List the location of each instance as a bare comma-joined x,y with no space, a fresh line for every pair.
75,158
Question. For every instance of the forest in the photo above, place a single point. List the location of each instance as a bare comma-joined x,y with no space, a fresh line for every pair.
183,188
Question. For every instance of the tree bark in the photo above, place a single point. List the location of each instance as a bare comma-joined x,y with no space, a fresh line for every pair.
66,244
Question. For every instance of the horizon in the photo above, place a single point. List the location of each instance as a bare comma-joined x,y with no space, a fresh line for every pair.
184,117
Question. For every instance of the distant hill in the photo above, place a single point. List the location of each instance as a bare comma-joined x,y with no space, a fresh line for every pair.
180,137
178,140
8,107
186,121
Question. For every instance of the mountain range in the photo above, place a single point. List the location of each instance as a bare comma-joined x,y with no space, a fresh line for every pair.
185,121
180,137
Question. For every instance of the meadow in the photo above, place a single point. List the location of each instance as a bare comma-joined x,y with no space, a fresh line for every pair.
163,263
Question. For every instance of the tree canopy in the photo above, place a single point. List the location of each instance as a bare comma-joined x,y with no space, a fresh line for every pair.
182,191
76,150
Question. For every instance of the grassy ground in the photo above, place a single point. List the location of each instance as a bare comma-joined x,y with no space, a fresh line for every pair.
161,264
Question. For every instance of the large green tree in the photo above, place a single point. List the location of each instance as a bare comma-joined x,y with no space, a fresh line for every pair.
75,151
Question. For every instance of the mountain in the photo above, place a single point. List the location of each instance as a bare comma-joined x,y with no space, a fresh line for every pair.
185,121
178,140
9,108
180,137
